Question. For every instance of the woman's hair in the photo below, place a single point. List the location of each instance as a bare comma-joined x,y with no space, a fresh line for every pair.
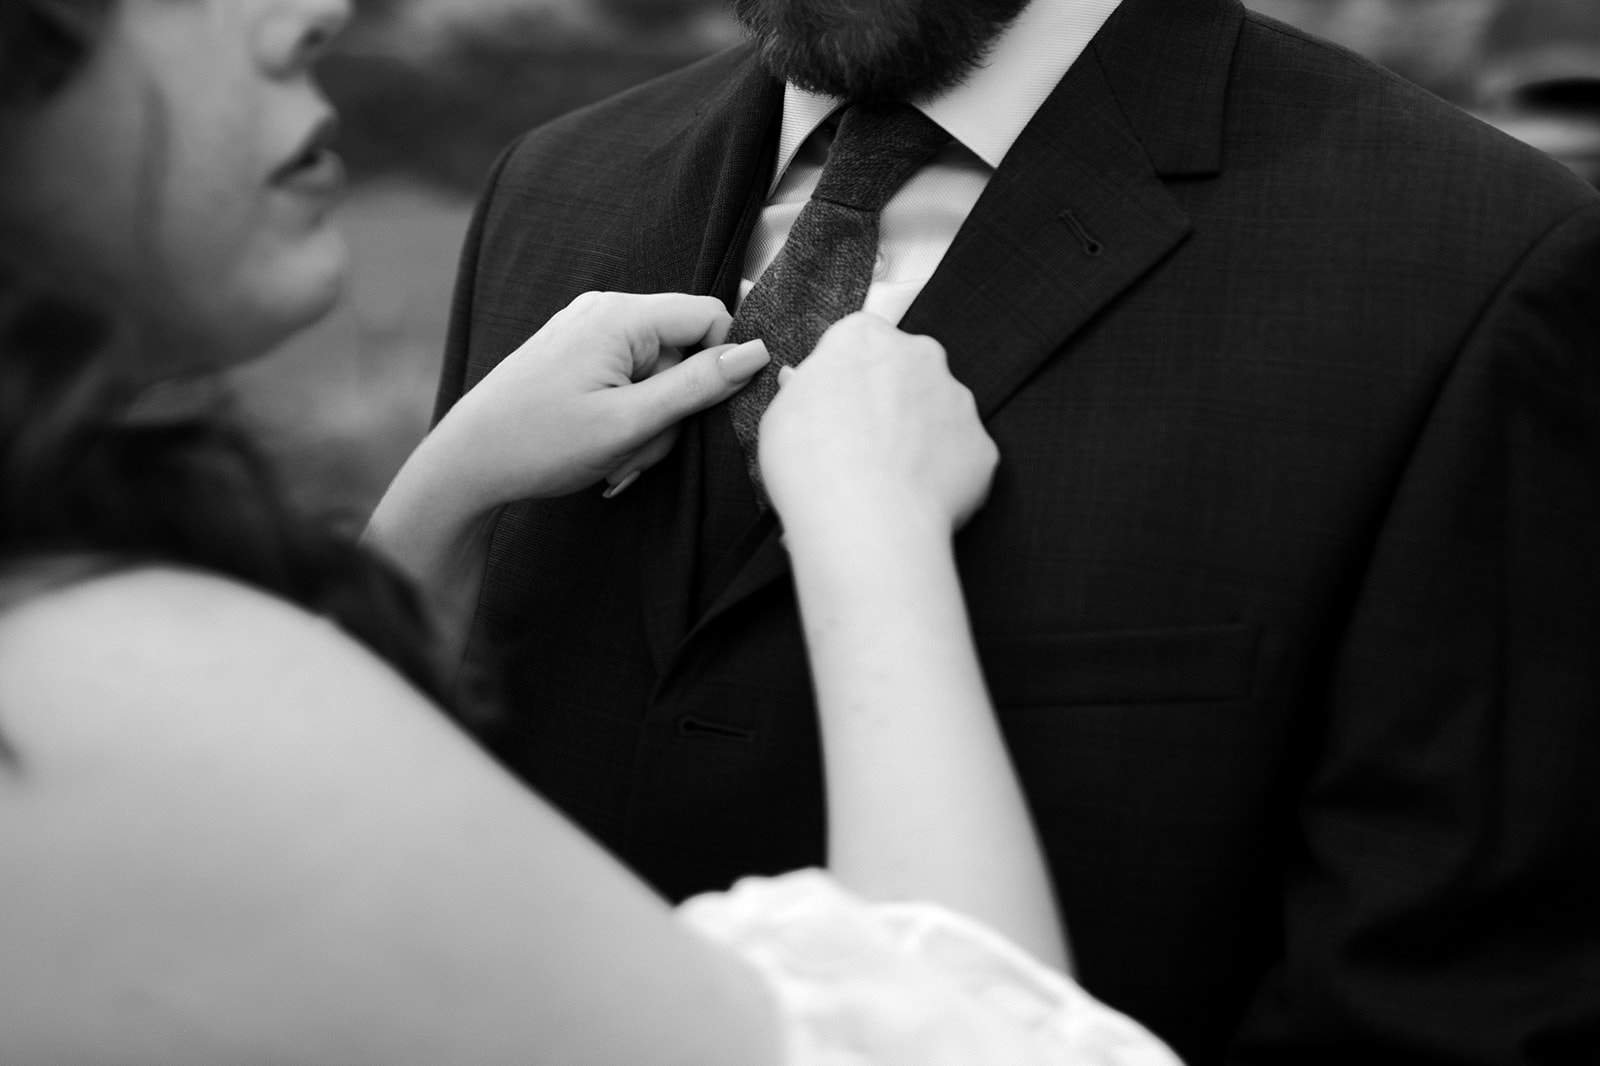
43,43
85,473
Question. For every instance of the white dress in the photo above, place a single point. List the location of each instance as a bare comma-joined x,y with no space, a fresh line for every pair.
863,984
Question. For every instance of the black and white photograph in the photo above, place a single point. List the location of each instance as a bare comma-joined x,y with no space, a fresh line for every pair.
799,532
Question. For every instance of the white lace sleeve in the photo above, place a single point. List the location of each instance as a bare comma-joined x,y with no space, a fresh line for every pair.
862,984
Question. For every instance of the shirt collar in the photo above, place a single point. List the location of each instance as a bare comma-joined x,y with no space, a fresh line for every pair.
988,111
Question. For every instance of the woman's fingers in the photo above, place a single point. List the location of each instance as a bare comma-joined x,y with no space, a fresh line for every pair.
717,335
700,381
628,470
618,483
656,405
875,420
652,322
588,395
738,363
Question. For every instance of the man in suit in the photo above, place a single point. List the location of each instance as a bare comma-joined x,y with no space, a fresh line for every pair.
1288,591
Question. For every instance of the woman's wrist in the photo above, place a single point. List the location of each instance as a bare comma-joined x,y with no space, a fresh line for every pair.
457,464
434,512
893,554
845,516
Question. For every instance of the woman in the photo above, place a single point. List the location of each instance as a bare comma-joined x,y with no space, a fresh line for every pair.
235,832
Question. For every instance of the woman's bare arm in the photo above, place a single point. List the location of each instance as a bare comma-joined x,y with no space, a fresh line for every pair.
596,395
232,835
873,456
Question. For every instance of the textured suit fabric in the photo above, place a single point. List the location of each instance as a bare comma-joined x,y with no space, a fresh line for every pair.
1288,591
824,269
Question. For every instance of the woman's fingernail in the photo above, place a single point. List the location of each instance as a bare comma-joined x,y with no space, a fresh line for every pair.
741,363
784,374
622,486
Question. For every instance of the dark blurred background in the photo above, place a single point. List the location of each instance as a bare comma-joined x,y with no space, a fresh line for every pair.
431,90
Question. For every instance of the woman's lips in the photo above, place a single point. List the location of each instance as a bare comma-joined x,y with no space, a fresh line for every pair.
315,169
320,173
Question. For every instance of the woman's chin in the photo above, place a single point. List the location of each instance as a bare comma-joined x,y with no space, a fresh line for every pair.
320,271
229,326
324,289
301,292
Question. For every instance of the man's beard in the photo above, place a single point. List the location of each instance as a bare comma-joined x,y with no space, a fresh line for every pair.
875,49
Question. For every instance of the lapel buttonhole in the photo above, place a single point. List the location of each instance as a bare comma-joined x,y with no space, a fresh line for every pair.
1091,244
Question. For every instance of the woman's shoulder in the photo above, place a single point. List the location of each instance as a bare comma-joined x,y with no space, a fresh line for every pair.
155,642
151,609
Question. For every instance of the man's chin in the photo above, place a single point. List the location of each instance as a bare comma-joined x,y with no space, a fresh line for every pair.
890,50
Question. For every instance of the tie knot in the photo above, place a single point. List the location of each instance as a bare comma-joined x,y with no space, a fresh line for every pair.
876,150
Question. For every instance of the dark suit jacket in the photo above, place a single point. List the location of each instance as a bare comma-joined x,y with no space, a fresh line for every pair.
1288,591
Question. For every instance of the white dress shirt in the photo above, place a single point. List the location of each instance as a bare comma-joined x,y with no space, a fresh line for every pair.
985,115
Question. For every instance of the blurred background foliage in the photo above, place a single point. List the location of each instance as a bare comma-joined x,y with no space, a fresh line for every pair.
432,90
435,88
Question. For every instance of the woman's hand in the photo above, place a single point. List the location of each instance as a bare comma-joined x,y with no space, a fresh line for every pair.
598,393
873,454
872,427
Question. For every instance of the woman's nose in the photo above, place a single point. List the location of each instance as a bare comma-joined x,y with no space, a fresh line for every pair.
293,34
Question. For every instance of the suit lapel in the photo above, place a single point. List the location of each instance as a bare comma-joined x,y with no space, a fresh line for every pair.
698,195
1080,210
694,188
1077,212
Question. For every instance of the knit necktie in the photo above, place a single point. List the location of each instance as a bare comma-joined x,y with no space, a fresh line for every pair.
825,268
